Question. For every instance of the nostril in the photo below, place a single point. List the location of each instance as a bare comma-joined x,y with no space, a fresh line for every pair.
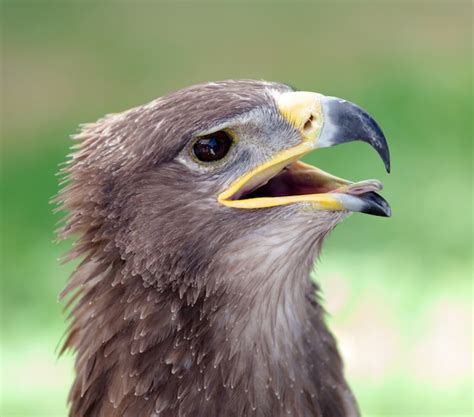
308,123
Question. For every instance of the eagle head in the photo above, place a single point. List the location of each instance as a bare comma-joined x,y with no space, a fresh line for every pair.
198,226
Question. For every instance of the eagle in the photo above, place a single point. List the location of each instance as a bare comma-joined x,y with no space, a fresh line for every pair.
197,226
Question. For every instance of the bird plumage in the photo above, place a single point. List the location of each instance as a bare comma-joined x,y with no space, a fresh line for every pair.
182,306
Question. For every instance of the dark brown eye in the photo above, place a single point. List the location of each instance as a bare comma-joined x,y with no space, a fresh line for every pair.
212,147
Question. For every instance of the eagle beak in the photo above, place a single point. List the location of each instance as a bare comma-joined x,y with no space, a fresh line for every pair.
322,122
346,122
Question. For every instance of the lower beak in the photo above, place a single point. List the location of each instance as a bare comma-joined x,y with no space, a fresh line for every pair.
323,122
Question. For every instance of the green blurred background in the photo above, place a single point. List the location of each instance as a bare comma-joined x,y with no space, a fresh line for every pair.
399,290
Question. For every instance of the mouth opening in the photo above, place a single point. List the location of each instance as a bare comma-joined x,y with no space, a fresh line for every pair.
294,181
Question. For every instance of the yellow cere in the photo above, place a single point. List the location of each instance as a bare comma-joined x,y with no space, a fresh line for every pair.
302,109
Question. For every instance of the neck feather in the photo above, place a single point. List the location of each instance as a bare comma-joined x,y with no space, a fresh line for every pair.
253,343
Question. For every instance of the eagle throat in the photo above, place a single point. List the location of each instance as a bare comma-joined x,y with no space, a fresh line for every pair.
254,344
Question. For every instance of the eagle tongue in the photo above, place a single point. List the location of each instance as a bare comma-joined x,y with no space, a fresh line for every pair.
360,187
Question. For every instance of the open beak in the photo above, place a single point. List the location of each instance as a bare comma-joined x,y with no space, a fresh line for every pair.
323,122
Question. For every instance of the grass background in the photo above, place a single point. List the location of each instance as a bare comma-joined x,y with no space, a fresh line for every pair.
399,290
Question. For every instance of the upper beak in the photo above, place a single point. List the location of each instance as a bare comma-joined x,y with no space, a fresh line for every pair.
322,122
346,122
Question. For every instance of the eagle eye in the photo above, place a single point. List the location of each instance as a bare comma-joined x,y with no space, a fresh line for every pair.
212,147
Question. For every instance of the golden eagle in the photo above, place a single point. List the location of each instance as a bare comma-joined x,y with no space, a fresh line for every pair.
197,226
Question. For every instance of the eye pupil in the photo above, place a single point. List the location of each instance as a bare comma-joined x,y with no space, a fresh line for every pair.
212,147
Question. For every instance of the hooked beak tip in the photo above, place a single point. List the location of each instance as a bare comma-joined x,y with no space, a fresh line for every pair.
347,122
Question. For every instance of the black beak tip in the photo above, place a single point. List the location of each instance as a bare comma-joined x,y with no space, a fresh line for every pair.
387,164
376,205
348,122
375,137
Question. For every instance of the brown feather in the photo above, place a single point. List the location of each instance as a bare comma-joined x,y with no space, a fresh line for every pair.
182,307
